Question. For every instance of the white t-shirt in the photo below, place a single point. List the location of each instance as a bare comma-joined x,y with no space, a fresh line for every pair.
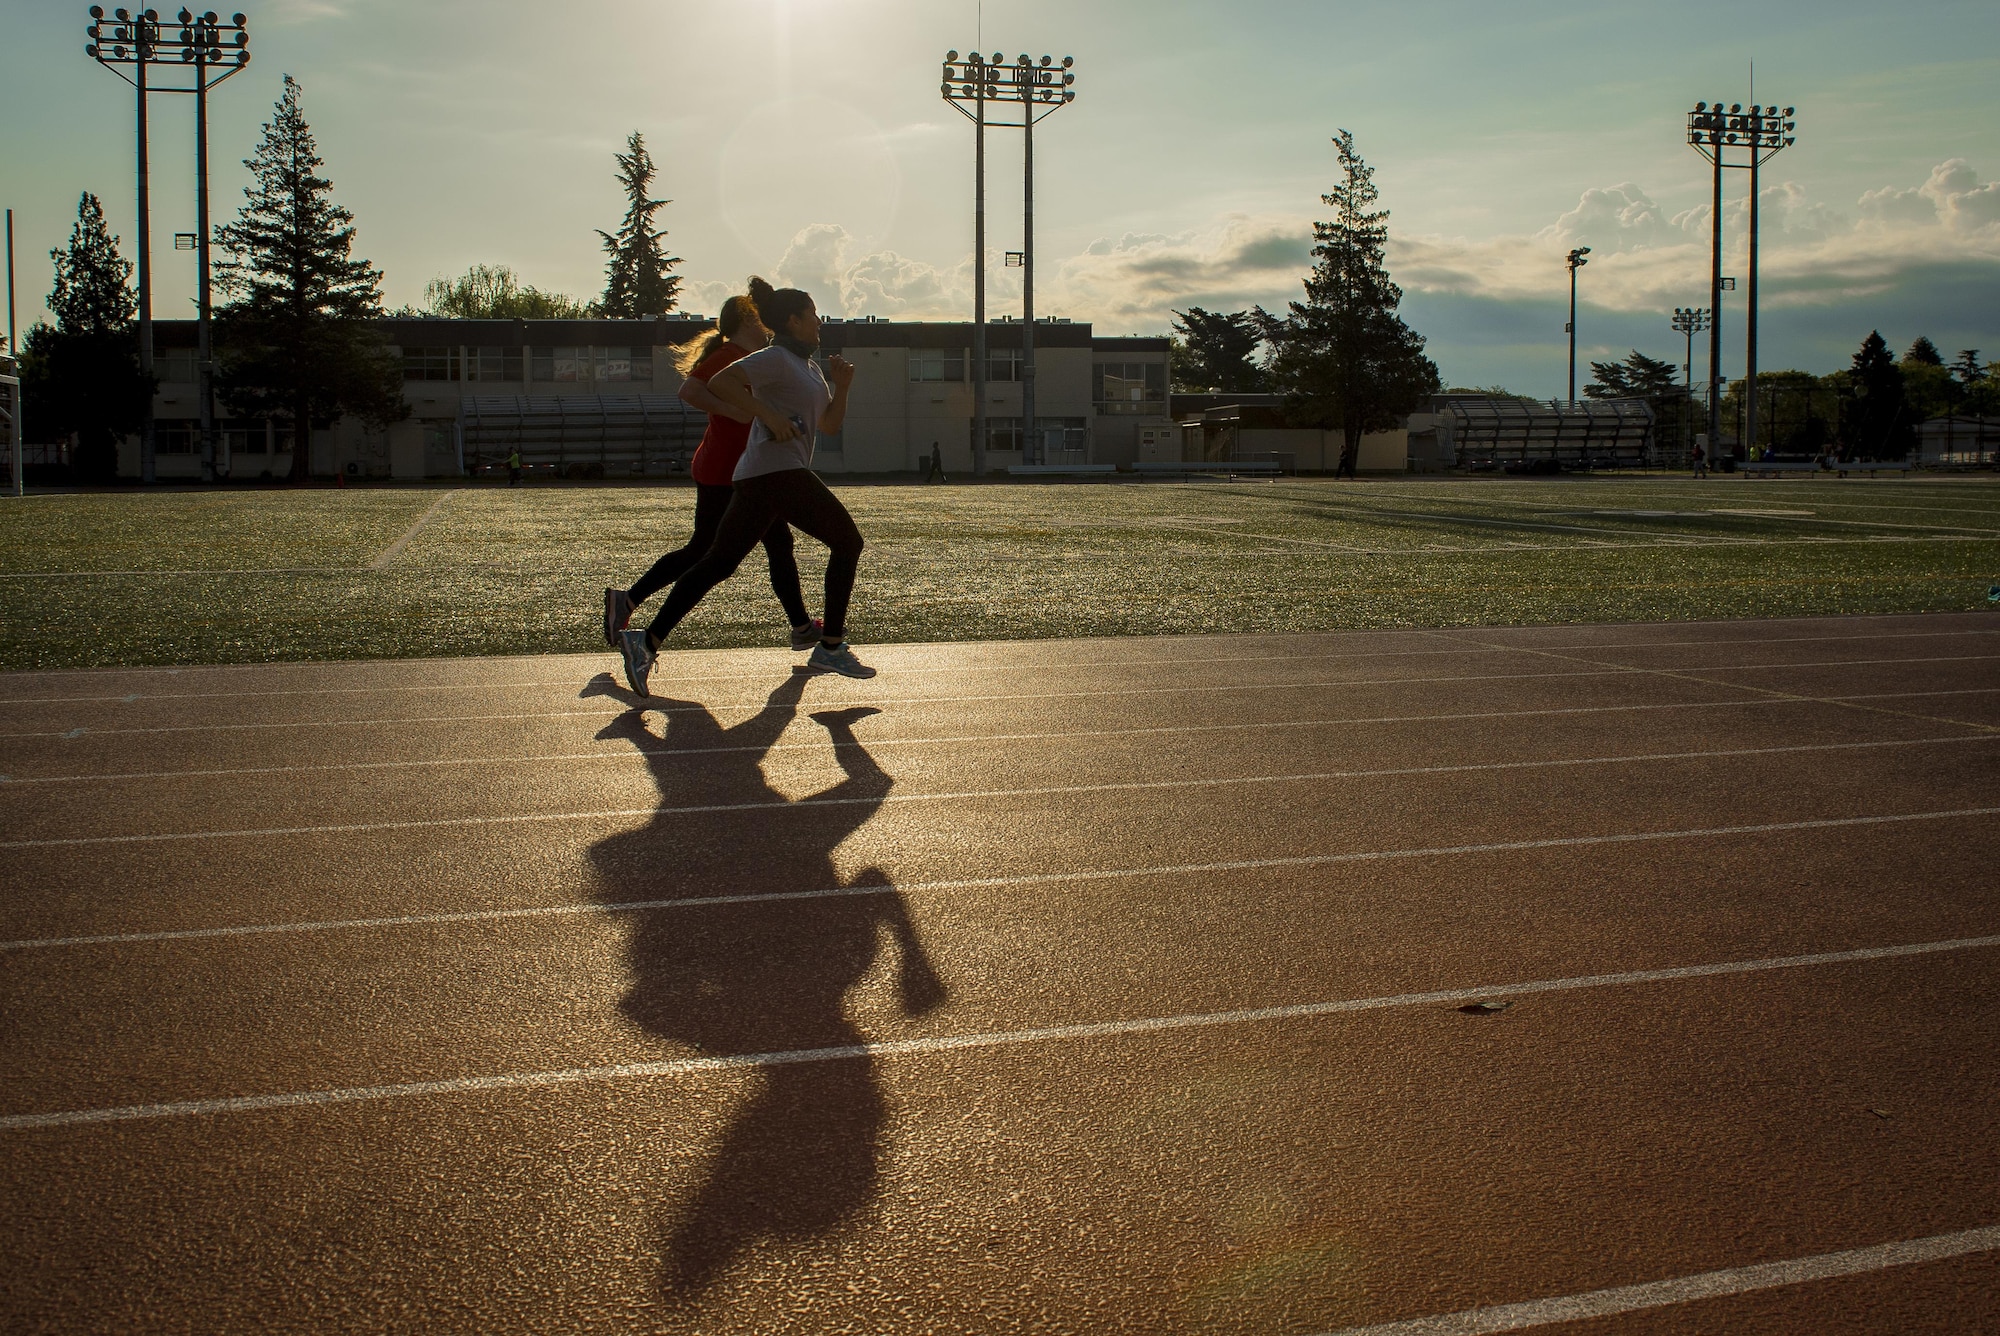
794,386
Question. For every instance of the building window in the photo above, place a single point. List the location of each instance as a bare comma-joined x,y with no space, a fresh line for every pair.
244,436
1129,387
937,364
177,366
1003,364
1066,437
493,364
430,364
174,436
589,366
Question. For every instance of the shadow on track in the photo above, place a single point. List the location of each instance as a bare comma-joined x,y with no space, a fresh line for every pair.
801,1157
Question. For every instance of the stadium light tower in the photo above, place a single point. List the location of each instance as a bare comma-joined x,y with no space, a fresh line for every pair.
1033,91
208,51
1752,137
1576,262
1690,320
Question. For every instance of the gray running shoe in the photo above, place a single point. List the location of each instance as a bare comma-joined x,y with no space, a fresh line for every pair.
617,612
638,660
840,659
805,637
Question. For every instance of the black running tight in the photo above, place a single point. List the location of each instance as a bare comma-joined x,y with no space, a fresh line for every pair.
711,502
761,505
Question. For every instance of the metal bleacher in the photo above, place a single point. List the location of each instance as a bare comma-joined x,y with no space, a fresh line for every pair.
1489,431
587,435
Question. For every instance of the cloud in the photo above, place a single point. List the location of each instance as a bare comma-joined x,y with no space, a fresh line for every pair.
1139,279
1644,259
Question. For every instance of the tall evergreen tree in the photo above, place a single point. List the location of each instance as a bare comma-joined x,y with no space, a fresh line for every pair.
1344,357
1218,351
1637,377
1923,353
637,278
1875,422
296,336
80,376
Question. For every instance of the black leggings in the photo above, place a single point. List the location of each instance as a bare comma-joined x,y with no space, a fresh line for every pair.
711,502
762,505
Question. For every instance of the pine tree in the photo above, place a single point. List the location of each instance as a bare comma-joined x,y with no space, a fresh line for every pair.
80,376
1875,422
1923,353
637,281
1637,377
1217,351
297,335
1344,357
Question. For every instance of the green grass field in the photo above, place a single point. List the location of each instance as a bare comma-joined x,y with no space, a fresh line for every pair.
239,576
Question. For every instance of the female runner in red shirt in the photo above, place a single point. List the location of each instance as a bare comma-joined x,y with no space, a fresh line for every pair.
738,333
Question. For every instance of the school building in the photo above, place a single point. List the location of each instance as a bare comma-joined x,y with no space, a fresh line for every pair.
597,398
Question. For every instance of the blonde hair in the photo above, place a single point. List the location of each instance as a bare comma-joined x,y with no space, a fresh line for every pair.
692,355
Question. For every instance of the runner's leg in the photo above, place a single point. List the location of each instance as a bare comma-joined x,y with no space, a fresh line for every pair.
752,511
785,572
812,508
710,501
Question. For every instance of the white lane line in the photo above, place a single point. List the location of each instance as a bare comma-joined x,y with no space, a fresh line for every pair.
389,552
1616,670
623,755
910,670
952,1043
993,883
248,570
964,795
1687,1289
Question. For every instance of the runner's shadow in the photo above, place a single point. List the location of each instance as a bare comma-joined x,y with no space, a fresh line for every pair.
761,976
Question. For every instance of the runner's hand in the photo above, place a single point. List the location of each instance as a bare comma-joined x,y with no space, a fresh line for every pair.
840,371
778,425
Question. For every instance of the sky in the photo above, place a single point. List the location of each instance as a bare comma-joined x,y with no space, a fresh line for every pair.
806,140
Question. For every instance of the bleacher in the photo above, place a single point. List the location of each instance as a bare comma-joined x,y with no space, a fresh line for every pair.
581,435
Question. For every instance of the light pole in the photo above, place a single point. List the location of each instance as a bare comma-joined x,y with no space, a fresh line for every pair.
1690,321
1576,262
1757,135
1038,89
203,45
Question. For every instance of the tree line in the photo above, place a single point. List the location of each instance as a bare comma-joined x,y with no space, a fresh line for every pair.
295,334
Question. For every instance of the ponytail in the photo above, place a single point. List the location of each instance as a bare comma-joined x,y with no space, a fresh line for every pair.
777,306
691,355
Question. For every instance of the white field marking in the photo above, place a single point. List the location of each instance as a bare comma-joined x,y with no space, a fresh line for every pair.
1685,495
995,883
389,552
1687,1289
1042,791
621,754
1610,670
526,685
246,570
954,1043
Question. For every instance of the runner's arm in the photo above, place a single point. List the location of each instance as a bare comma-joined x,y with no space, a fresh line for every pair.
696,394
732,387
840,374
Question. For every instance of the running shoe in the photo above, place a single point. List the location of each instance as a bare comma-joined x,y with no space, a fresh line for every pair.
805,637
638,659
840,659
617,612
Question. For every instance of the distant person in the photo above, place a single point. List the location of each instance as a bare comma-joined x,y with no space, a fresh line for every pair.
789,399
737,333
937,465
1700,461
514,468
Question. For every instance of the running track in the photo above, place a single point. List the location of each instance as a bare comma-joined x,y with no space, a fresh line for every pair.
1089,986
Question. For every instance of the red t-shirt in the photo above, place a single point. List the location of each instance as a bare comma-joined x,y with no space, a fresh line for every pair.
722,444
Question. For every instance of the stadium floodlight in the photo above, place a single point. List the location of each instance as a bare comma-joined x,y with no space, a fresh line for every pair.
1745,140
1576,262
210,51
1690,320
978,87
